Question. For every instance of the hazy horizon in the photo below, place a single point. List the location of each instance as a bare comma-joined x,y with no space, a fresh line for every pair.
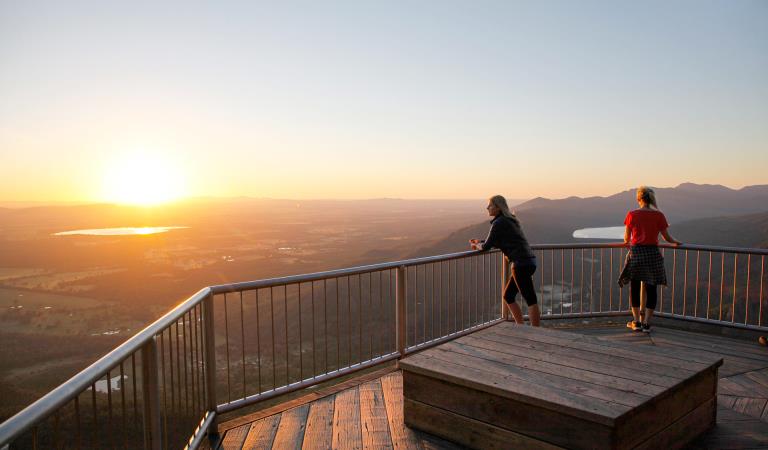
37,203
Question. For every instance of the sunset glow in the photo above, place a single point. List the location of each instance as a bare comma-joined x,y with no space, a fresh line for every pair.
142,179
361,100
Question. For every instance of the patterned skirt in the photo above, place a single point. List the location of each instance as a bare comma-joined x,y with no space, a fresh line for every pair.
644,263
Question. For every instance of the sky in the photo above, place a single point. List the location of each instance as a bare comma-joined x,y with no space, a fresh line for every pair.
361,99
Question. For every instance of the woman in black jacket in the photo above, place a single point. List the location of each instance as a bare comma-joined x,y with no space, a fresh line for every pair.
506,234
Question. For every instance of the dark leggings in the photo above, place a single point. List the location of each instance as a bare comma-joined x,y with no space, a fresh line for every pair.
634,294
521,281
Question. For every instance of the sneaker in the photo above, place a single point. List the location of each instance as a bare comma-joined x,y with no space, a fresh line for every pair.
634,326
646,327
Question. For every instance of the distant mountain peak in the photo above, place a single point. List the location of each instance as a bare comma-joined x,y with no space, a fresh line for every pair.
702,187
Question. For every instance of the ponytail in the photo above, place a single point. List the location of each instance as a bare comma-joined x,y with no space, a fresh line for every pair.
647,195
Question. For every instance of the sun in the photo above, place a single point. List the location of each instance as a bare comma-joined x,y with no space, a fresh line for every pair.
142,178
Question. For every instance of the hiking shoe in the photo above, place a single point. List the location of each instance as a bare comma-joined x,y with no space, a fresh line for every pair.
634,326
646,328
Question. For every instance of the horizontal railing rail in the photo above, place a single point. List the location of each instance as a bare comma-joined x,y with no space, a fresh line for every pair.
319,276
233,345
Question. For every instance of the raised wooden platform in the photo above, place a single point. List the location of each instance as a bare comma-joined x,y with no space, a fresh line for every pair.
512,386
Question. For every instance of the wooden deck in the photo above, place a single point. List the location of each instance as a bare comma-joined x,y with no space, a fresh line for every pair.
539,388
367,413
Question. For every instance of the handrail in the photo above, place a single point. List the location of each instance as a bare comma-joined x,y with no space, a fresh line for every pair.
711,248
703,248
318,276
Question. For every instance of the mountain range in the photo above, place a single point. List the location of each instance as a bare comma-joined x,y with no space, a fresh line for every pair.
697,213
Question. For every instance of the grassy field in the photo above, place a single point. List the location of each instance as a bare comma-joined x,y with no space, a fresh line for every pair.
46,338
65,301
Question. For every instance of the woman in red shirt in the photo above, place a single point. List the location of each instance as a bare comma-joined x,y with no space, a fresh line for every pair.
644,262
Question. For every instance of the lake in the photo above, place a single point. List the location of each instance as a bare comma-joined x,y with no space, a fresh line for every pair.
613,233
121,231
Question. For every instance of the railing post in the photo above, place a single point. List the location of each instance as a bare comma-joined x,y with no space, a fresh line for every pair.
210,362
151,395
504,278
400,332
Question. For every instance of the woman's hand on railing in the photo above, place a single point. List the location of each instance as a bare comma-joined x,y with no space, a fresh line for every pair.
668,237
474,244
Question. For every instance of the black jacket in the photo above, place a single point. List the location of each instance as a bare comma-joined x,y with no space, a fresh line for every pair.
507,235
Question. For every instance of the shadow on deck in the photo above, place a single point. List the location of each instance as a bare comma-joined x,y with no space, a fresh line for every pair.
367,412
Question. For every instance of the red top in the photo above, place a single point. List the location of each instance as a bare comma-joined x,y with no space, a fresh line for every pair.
645,225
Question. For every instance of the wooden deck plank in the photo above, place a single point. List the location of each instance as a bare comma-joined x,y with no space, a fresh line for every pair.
346,420
752,407
601,379
701,356
620,341
725,414
759,376
527,392
718,343
726,401
290,433
262,433
234,438
733,362
601,331
373,417
626,339
757,389
577,363
723,388
601,356
319,432
402,436
692,342
730,387
315,394
547,352
732,367
462,429
598,346
486,360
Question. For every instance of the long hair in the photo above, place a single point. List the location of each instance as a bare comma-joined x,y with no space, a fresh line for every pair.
647,195
501,203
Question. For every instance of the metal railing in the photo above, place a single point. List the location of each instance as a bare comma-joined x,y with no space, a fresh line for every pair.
717,285
147,392
234,345
284,334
